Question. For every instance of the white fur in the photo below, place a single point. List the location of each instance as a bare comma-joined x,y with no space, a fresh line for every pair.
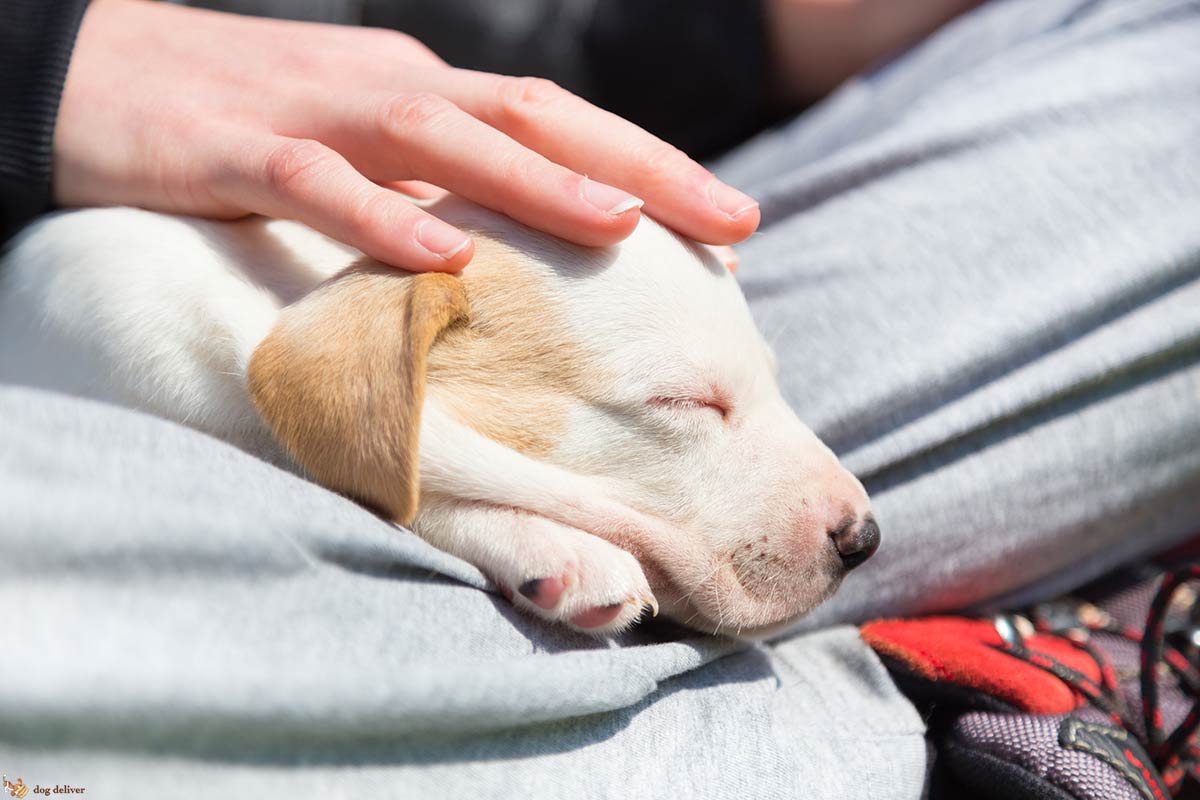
728,518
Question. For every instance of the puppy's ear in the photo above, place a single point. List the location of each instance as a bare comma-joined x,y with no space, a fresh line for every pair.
340,380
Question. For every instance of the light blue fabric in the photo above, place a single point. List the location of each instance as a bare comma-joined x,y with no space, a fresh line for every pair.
180,619
981,269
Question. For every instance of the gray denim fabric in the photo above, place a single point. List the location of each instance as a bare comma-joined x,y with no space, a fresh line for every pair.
179,619
981,270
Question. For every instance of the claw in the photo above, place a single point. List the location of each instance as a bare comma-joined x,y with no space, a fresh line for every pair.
643,601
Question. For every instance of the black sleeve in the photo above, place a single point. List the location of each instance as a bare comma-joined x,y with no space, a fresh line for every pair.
36,38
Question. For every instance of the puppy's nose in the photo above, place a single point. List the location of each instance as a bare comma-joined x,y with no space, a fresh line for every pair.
856,541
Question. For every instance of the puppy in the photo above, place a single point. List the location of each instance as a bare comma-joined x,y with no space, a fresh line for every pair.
598,430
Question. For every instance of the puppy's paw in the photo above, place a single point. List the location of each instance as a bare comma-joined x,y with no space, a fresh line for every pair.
569,576
556,572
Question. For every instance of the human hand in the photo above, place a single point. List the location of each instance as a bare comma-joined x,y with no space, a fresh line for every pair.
205,113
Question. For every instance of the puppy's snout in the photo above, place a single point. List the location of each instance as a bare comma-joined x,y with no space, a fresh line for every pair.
855,541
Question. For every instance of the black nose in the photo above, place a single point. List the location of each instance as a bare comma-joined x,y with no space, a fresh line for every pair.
856,541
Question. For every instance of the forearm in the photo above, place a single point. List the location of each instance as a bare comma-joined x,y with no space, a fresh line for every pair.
36,38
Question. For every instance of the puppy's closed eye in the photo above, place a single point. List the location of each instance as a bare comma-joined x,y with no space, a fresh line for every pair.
686,403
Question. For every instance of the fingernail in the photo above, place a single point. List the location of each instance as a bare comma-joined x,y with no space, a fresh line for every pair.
611,201
729,200
441,239
728,257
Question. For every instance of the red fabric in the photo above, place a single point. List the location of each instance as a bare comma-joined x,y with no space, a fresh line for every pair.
964,652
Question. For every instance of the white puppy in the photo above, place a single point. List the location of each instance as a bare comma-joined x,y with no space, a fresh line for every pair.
598,430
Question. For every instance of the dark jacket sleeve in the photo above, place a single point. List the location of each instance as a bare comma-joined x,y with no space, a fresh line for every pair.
36,38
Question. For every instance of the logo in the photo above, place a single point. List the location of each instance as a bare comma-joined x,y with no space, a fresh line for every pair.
18,789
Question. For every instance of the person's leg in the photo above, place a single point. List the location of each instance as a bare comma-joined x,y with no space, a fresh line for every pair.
980,268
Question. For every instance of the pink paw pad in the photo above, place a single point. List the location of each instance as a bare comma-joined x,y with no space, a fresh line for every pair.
543,592
597,615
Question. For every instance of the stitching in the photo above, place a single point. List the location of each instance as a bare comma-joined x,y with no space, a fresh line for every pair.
1136,778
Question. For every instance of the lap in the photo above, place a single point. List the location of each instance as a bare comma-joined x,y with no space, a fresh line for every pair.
178,605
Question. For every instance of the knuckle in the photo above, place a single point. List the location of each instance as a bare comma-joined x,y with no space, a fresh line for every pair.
519,169
291,161
385,37
521,98
662,162
369,216
407,112
414,47
392,44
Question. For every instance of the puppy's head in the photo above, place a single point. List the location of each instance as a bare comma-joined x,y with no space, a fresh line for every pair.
623,391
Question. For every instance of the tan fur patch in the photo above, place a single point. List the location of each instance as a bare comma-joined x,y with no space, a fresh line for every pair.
341,379
512,371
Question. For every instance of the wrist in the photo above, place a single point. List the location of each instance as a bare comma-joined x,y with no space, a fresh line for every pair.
36,40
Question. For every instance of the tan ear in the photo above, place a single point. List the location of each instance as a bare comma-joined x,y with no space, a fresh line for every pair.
340,380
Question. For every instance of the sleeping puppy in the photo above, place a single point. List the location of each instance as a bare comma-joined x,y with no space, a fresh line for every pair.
598,430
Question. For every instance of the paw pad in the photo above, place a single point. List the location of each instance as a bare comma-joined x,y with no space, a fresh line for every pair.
543,592
597,615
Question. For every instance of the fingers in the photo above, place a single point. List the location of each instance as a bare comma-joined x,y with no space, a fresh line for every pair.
418,189
574,133
307,181
424,136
